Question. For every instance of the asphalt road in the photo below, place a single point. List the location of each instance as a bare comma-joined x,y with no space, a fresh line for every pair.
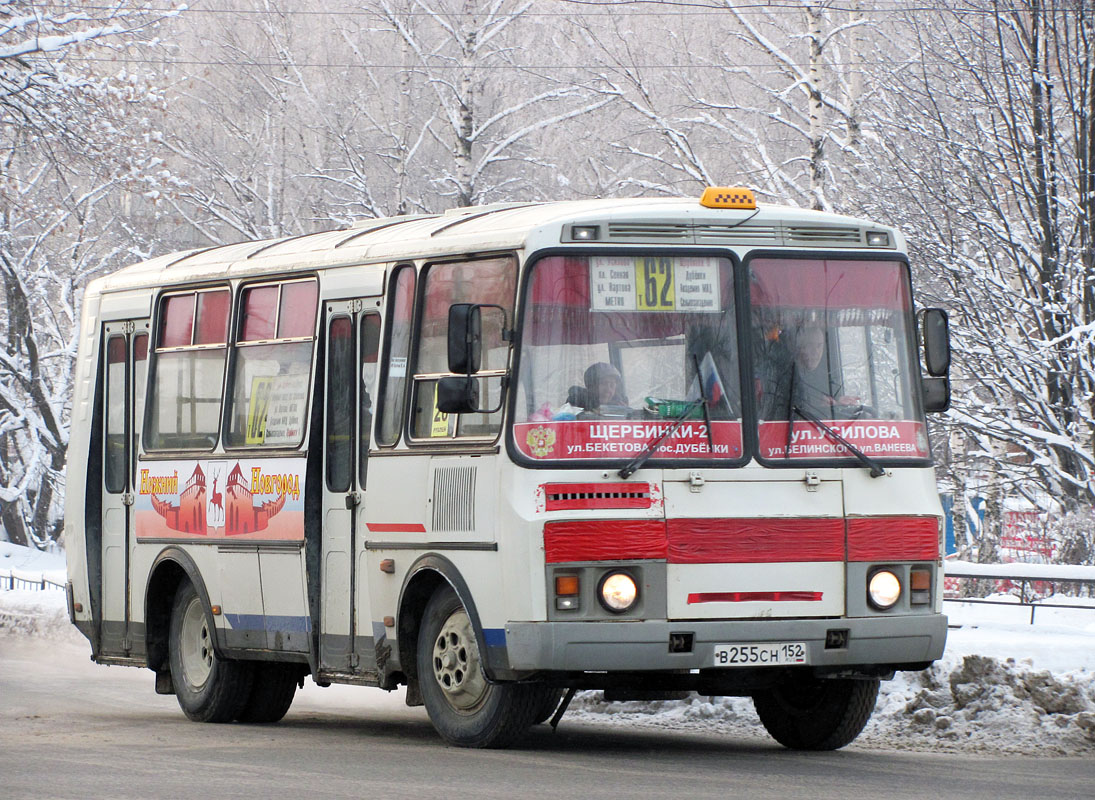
70,728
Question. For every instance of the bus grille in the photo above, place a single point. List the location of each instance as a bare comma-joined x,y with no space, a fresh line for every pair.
454,499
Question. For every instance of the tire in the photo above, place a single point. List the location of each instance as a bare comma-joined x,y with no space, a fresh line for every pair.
551,702
273,687
811,714
466,709
209,688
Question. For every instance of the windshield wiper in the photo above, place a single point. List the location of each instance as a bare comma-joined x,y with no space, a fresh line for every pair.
635,464
876,469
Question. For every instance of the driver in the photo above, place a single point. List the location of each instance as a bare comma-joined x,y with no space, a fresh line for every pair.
811,381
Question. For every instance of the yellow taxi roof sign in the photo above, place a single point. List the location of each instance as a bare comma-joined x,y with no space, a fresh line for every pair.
728,197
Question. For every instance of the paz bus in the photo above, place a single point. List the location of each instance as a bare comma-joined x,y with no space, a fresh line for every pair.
504,453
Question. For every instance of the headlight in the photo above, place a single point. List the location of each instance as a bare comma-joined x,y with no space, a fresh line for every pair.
618,592
883,589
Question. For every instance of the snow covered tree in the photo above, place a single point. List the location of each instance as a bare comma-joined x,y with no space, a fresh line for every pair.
989,117
68,146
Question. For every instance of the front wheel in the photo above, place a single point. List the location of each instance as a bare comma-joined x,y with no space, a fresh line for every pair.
209,688
811,714
465,708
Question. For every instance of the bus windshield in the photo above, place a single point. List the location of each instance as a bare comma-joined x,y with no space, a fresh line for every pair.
833,359
616,350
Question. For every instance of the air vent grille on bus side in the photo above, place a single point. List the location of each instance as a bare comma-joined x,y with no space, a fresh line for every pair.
568,496
454,499
707,233
649,231
815,235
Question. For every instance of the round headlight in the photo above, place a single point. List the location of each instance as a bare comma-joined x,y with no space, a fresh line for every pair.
883,589
618,592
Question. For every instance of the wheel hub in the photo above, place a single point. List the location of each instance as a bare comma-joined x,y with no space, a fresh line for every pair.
196,646
456,664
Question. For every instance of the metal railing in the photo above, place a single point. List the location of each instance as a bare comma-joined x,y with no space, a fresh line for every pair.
10,579
1023,575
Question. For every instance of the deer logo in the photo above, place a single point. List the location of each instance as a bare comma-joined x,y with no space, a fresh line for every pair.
217,500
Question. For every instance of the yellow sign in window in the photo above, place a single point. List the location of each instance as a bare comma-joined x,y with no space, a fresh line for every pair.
257,408
440,424
654,288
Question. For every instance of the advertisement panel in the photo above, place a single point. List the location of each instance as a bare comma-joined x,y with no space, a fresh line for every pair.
237,499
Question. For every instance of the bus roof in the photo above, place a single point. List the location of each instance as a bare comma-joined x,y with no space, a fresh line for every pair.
509,226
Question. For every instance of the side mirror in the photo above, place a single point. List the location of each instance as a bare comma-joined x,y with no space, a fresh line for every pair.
937,346
937,394
458,395
465,338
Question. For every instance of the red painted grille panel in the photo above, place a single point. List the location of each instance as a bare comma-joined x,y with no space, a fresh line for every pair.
603,540
893,539
755,541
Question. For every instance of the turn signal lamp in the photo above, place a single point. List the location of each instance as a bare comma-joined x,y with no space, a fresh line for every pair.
728,197
920,587
566,592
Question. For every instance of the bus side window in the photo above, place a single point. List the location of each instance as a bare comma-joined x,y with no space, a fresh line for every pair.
140,377
490,281
370,349
114,459
340,398
188,370
393,380
273,362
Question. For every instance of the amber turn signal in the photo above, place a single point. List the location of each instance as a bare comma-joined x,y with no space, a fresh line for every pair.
566,585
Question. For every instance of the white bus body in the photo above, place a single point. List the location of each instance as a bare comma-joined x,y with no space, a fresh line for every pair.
651,485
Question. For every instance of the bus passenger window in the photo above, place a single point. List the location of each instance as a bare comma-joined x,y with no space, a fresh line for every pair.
490,281
393,391
114,460
273,363
188,371
340,398
370,348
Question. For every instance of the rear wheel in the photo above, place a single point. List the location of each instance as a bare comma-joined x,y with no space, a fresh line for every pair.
465,708
209,688
273,687
811,714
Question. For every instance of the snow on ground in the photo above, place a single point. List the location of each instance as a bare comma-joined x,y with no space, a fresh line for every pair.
1003,685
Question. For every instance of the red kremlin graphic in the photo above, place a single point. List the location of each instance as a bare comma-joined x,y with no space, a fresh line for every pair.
240,512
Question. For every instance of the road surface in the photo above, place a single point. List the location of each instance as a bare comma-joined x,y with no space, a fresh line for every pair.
70,728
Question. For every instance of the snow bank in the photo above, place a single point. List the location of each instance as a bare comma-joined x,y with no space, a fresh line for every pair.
1003,686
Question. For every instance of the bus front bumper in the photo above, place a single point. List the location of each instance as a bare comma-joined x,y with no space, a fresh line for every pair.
896,642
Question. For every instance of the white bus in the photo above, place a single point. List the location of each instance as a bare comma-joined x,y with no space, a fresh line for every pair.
497,455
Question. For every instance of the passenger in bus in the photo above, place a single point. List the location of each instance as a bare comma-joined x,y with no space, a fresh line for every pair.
603,394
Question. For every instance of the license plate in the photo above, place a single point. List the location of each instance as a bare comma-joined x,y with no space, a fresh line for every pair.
761,654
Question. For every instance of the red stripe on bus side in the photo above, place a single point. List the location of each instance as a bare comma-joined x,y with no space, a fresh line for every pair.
893,539
755,541
395,527
753,597
603,540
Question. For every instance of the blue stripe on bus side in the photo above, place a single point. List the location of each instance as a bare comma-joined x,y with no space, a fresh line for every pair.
494,637
263,622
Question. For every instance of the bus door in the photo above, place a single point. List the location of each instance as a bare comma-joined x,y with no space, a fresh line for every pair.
125,355
352,329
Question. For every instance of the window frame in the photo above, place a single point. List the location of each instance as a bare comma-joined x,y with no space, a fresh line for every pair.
234,345
908,356
155,351
385,356
415,378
